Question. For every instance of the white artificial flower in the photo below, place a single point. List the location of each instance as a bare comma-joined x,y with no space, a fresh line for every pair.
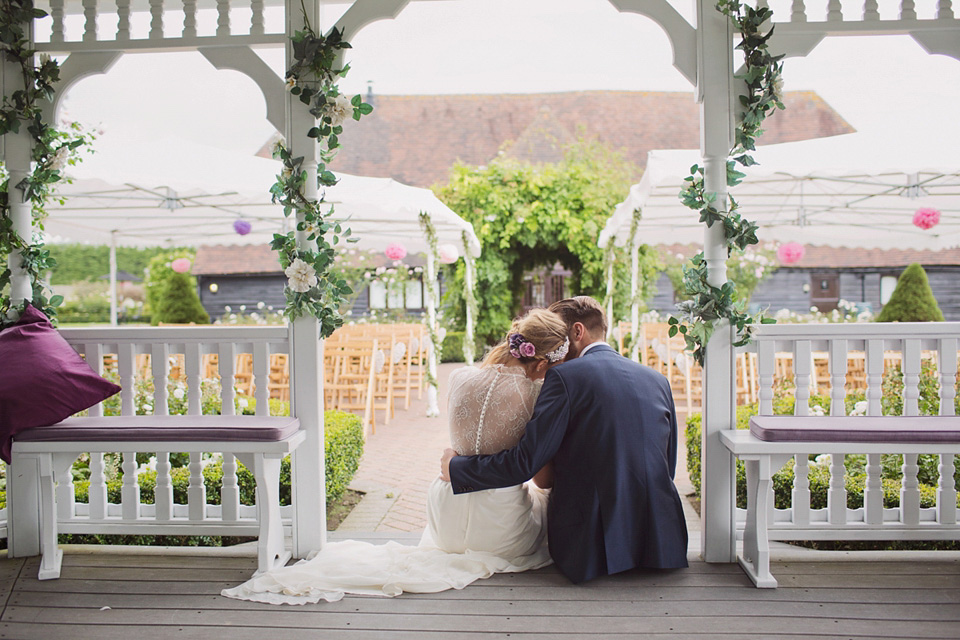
338,109
859,409
301,277
243,308
261,305
227,309
178,394
242,403
59,159
44,58
777,88
817,410
291,82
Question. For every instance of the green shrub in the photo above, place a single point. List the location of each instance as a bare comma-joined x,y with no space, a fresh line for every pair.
452,348
912,300
179,302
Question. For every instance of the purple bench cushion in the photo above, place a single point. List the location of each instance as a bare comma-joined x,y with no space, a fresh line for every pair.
42,379
920,429
165,429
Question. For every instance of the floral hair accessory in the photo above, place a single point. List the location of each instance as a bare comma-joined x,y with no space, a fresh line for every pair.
560,352
520,346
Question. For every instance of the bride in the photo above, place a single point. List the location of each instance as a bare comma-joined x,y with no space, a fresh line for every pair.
468,536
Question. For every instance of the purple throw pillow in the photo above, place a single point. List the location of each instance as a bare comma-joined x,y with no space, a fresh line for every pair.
42,379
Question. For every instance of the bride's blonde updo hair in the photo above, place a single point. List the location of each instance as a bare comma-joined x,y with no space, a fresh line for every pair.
544,329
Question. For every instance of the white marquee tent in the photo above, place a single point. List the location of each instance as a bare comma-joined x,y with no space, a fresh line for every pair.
847,190
179,193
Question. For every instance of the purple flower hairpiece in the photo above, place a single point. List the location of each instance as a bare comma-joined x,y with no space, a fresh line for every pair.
520,346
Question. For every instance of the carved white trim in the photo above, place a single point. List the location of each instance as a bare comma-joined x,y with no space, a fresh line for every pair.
244,60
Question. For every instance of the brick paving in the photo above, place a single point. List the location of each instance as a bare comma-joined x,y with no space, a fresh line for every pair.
402,458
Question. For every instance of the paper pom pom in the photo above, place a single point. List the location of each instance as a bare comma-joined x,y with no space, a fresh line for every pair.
448,253
396,252
242,226
180,265
926,218
790,252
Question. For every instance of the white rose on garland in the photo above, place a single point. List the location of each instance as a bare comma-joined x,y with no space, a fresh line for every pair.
301,277
337,109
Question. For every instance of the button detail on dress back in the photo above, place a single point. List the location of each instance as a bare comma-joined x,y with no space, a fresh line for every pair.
483,410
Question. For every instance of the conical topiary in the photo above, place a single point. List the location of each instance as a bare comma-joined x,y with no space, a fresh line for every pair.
179,303
912,300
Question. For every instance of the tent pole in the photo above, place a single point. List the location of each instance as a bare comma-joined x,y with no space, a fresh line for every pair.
715,89
610,286
468,340
635,328
433,408
113,278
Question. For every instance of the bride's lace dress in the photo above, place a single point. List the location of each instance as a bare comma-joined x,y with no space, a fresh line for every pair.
468,536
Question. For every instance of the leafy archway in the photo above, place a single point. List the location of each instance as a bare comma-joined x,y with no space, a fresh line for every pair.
534,215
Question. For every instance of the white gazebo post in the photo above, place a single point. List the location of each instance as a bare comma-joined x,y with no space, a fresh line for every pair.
433,408
22,482
714,89
470,278
308,476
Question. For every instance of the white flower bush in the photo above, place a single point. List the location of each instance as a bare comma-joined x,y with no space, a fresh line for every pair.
301,277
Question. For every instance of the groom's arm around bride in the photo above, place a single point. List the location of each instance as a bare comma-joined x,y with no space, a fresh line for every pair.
609,426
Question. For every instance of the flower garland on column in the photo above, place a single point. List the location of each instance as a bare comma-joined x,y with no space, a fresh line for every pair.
471,300
609,260
52,150
431,285
763,77
313,288
636,291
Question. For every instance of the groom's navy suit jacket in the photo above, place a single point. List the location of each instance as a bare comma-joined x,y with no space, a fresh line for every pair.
608,424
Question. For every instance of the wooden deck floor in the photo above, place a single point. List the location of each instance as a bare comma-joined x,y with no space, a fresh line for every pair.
110,595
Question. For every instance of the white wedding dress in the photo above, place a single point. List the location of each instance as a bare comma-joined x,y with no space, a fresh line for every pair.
468,536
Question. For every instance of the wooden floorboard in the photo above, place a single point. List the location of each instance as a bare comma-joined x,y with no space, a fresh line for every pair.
107,596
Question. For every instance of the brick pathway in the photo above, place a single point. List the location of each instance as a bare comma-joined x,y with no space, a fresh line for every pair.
401,460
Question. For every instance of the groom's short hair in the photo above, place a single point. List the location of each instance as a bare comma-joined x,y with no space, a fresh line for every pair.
582,309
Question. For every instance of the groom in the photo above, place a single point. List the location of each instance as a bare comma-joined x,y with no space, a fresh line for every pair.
608,424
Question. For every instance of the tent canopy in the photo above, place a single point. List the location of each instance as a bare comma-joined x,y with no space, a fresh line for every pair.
848,190
182,193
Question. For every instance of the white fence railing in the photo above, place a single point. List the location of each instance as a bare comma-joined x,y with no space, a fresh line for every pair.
177,356
148,24
926,355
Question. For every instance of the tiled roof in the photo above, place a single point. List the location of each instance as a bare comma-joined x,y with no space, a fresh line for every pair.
849,258
417,139
259,259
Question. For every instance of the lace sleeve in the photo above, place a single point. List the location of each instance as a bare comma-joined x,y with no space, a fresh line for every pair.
503,396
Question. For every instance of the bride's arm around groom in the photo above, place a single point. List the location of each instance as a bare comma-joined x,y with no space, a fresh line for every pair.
609,426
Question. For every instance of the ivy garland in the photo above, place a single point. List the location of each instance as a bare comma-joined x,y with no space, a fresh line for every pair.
428,229
471,301
51,151
708,304
313,287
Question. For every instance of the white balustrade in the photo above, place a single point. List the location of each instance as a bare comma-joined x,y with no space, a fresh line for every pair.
907,345
163,346
106,25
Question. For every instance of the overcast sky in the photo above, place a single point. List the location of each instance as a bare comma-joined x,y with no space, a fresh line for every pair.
886,85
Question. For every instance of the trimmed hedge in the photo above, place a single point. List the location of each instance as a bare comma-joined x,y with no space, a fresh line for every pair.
343,447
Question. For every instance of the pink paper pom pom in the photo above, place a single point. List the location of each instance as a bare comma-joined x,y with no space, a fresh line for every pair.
790,252
242,227
448,253
396,252
926,218
180,265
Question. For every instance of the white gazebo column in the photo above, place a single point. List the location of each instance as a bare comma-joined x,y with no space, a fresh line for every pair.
23,478
635,327
470,278
308,476
715,74
433,408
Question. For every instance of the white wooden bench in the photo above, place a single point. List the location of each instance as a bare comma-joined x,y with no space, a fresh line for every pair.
43,456
773,440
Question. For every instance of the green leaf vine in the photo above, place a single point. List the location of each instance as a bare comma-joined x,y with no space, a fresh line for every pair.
706,304
469,298
51,151
431,285
313,286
